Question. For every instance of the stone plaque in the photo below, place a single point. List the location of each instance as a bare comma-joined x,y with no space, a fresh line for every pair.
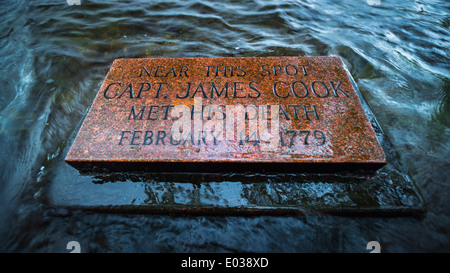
206,114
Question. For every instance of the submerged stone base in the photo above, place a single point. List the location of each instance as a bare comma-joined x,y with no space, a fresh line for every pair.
386,194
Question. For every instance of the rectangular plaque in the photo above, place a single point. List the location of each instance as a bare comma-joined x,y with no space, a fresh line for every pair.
205,114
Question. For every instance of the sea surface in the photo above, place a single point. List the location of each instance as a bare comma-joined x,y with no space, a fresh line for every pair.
54,57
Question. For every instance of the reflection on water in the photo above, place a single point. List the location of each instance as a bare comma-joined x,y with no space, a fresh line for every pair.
54,57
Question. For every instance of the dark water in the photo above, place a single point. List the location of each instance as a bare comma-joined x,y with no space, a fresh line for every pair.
55,56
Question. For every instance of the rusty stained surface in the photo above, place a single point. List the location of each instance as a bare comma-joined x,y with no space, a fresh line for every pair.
316,98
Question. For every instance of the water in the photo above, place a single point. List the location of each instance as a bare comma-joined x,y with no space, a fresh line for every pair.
55,56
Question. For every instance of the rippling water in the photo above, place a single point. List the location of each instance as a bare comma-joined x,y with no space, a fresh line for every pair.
55,56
